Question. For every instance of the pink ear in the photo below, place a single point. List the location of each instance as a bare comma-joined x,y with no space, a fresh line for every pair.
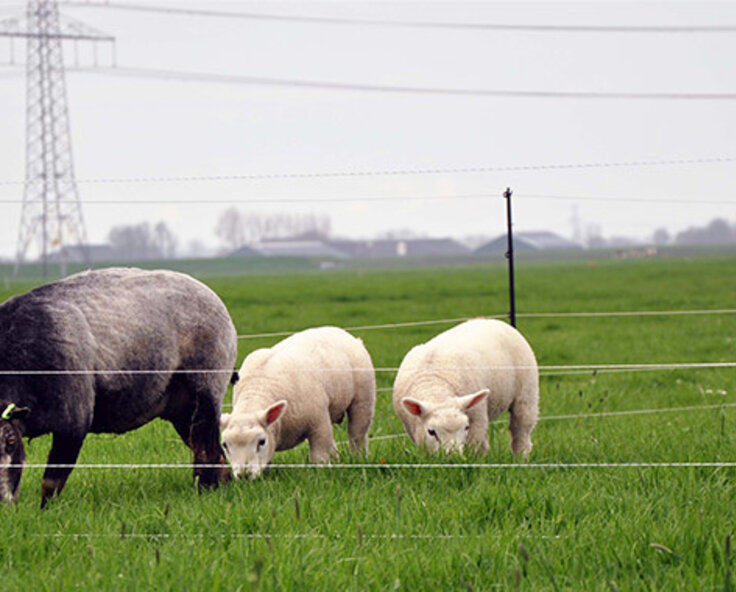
274,412
476,398
412,406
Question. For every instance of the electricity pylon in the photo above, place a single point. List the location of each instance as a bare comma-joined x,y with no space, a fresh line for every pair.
51,212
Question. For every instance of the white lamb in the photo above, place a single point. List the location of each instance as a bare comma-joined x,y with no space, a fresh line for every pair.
296,390
449,388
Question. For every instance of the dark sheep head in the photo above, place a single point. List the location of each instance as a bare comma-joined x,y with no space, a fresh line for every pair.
12,453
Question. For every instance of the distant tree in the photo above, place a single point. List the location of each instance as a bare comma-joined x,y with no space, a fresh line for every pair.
133,242
717,232
235,229
165,241
661,236
229,229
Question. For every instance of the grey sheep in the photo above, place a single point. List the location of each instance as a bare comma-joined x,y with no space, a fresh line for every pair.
108,351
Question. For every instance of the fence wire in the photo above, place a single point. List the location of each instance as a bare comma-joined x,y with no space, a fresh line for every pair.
544,370
387,465
396,172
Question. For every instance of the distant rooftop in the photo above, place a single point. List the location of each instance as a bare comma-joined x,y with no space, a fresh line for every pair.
351,249
295,248
530,241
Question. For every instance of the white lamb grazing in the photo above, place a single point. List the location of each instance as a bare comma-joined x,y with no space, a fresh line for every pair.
296,390
449,388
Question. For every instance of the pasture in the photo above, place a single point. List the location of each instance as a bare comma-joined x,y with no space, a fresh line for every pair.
576,517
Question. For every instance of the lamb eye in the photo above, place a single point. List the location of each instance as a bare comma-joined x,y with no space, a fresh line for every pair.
467,427
432,433
261,443
10,443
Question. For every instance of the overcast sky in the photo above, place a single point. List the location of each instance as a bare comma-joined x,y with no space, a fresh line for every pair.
135,124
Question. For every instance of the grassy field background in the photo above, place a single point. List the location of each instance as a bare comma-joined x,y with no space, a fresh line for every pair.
441,528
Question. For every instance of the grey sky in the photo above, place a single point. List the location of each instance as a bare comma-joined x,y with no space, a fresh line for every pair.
128,127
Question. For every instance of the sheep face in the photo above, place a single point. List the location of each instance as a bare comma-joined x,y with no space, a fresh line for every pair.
443,425
249,440
12,453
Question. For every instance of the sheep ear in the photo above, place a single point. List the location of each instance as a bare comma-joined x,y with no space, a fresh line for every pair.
472,400
224,420
12,411
414,407
275,411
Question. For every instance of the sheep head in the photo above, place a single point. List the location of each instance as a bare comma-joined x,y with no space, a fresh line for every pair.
12,453
248,438
444,425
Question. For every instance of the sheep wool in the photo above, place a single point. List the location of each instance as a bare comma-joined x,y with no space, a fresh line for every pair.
107,351
295,391
448,389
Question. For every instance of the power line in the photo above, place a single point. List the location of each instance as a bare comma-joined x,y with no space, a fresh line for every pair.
392,198
404,172
183,76
334,20
277,200
695,201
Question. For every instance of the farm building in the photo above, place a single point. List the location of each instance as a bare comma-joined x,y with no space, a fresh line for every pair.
290,248
349,249
388,248
530,241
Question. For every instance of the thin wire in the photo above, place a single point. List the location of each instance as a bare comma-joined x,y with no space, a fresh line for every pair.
634,412
184,76
373,327
391,198
630,412
269,200
625,313
583,368
695,201
399,172
384,466
607,367
332,20
259,535
53,372
530,315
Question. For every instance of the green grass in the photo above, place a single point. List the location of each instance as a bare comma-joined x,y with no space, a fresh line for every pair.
520,528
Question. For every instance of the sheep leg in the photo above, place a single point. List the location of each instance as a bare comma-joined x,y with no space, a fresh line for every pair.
322,442
359,421
199,429
64,451
521,423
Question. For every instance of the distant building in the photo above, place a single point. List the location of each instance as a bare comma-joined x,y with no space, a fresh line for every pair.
530,241
389,248
245,251
293,248
350,249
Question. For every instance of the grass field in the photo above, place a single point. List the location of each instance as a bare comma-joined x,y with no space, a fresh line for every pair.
524,527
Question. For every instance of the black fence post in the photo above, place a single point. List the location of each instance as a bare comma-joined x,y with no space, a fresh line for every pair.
510,256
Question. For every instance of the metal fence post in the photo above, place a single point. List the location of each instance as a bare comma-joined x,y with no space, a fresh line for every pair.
510,256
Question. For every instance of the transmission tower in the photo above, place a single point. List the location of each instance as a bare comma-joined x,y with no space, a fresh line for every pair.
52,213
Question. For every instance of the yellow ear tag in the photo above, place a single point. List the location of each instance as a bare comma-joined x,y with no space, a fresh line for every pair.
8,411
